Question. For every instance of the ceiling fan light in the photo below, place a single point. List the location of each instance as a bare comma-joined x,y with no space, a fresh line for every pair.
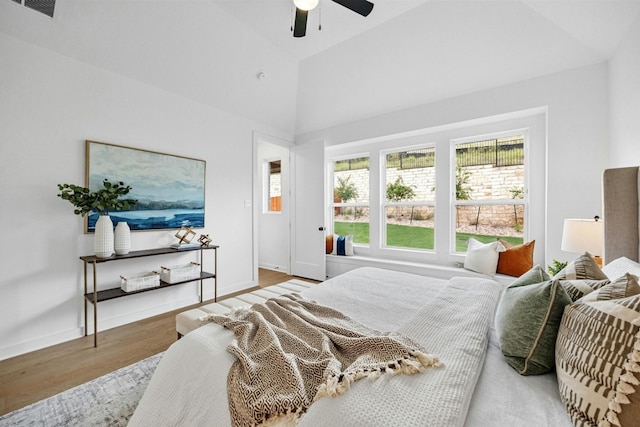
305,4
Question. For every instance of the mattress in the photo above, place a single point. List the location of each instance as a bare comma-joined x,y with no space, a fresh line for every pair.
476,387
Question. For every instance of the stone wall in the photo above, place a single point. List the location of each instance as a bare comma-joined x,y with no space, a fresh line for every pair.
484,182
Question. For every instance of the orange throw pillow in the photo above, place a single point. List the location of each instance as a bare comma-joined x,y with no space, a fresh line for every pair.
516,260
329,243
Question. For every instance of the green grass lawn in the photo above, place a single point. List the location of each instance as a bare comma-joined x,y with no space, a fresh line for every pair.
406,236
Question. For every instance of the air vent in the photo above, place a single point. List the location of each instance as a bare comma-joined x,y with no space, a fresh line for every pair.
42,6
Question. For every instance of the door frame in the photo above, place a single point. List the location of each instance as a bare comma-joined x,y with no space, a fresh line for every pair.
256,197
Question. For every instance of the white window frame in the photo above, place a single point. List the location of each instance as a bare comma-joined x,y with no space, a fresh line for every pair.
354,205
535,120
383,195
452,183
266,189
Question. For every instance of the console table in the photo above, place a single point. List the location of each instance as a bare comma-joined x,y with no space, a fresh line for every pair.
95,296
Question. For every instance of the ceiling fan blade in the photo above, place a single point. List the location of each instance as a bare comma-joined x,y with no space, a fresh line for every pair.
300,24
363,7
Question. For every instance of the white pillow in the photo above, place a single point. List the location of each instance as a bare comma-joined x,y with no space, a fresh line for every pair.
619,266
483,257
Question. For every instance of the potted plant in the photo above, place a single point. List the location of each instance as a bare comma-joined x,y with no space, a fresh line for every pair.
100,201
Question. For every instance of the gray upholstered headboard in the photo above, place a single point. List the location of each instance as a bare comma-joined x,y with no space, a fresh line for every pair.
620,189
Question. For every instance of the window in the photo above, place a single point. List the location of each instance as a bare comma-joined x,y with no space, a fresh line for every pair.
42,6
490,189
350,205
409,199
273,185
402,202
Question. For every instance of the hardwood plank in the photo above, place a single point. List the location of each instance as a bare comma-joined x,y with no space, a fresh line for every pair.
31,377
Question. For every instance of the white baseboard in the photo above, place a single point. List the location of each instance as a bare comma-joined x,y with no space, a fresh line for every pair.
273,267
13,350
39,343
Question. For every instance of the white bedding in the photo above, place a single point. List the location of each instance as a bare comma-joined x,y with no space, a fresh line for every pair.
189,386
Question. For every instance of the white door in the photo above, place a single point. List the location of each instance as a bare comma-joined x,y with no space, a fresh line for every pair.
308,230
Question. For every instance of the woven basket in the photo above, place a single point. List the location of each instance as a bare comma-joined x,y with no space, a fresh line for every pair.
140,281
180,273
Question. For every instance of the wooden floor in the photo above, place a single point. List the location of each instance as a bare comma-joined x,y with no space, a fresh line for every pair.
34,376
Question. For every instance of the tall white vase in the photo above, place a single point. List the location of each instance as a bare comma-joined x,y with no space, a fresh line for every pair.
122,241
103,239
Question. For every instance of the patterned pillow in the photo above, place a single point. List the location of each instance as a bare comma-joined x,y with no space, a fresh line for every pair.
622,287
579,288
598,362
515,260
342,245
620,266
527,321
583,267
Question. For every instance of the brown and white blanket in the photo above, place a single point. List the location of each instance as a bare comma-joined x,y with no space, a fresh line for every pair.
291,351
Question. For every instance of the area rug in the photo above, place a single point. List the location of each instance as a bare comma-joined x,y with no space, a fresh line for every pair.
106,401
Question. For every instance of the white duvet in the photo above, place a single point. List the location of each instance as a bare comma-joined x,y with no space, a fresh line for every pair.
451,319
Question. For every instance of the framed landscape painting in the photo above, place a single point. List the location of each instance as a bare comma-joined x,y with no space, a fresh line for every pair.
169,188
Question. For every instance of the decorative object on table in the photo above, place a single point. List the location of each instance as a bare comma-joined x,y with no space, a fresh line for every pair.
122,238
185,235
181,246
170,188
100,201
583,235
204,239
103,238
138,282
179,273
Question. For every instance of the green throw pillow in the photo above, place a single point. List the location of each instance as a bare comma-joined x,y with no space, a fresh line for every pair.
527,322
535,275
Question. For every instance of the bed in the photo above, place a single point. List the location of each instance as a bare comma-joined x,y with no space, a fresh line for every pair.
453,320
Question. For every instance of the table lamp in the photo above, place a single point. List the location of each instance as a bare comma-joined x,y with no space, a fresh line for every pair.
583,235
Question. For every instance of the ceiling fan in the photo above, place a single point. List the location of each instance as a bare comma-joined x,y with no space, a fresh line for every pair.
362,7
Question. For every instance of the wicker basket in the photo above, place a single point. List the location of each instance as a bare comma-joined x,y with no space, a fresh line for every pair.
140,281
180,273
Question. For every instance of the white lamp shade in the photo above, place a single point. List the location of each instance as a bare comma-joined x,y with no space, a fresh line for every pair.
305,4
582,235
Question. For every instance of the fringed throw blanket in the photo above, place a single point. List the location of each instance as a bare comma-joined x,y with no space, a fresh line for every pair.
291,352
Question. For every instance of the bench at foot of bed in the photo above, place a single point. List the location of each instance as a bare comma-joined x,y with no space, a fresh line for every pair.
187,321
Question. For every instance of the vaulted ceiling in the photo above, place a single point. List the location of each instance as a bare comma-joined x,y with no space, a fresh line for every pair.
404,53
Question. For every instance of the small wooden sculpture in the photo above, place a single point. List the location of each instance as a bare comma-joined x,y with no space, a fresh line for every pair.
204,239
185,234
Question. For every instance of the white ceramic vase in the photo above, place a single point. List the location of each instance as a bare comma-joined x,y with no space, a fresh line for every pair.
103,238
122,241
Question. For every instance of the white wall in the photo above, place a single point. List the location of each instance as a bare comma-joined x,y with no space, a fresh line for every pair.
577,130
435,51
49,104
191,48
624,71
